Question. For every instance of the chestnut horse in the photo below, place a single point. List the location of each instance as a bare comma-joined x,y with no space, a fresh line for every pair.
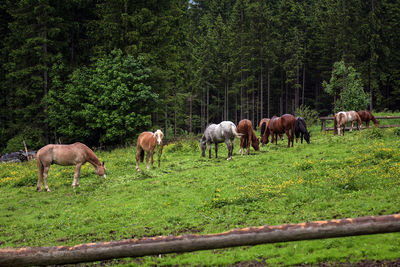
284,124
76,154
367,116
147,141
263,131
342,117
245,127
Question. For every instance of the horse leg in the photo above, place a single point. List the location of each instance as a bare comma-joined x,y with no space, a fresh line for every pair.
289,137
151,157
228,145
351,128
209,150
76,175
45,173
147,159
241,145
216,150
40,175
139,151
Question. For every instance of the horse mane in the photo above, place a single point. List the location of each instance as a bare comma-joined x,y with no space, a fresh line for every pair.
93,159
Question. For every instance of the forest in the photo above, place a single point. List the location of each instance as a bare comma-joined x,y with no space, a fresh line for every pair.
101,72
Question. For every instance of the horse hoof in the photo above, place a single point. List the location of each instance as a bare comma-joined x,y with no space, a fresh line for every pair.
38,189
229,158
48,190
138,169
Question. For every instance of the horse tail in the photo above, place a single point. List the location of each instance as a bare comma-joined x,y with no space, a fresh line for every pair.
40,170
235,133
141,156
263,126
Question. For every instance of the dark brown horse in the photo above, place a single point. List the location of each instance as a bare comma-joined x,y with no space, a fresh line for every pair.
264,132
367,116
76,154
147,141
245,127
284,124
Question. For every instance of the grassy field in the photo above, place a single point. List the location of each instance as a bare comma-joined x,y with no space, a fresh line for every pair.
333,177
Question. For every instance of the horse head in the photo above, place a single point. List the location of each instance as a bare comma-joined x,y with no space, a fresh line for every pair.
101,170
307,137
158,135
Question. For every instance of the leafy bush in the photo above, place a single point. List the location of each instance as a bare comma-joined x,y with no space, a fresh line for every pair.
32,139
107,102
397,131
310,115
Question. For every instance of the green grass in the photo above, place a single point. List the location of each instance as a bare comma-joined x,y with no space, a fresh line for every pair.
333,177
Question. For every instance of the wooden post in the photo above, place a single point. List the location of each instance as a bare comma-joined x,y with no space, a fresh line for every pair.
171,244
26,151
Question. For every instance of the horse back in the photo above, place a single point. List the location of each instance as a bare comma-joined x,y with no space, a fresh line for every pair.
146,141
63,154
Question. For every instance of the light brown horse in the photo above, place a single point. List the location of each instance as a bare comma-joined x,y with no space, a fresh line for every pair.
342,117
76,154
147,141
284,124
245,127
367,116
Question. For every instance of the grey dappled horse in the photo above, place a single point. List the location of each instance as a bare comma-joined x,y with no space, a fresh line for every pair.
218,133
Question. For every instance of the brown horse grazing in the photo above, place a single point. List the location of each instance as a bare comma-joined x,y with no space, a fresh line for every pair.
284,124
245,127
147,141
263,131
76,154
367,116
342,117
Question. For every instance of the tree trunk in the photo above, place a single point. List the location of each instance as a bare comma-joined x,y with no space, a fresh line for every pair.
304,84
268,90
261,92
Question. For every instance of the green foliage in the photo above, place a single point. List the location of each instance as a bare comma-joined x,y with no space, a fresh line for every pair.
33,139
373,133
397,131
346,83
310,115
106,102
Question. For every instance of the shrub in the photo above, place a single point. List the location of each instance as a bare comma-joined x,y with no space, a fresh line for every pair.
373,133
310,115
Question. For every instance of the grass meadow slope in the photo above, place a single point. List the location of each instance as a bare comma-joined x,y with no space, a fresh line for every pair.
333,177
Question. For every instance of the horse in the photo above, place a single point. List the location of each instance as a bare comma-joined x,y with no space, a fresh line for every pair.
367,116
301,130
217,133
284,124
75,154
342,117
147,142
245,127
265,131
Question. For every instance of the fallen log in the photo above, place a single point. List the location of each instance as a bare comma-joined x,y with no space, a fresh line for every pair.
169,244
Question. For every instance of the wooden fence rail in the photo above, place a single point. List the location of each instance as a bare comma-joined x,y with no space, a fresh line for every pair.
324,119
161,245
